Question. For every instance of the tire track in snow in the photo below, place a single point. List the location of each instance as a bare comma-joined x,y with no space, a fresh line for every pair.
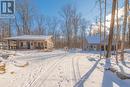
33,76
61,79
75,67
43,77
30,58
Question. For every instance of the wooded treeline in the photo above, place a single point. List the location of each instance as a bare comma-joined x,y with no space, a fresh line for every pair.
68,30
120,32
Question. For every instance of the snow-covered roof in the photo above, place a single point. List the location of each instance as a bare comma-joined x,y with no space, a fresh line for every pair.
96,40
93,39
29,37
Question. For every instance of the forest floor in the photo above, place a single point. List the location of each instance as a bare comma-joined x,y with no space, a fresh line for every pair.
62,69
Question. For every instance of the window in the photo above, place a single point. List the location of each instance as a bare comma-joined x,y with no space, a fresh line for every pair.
91,46
45,47
95,47
41,44
38,44
34,43
21,44
46,43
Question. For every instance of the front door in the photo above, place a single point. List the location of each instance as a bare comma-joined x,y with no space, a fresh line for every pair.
39,46
28,45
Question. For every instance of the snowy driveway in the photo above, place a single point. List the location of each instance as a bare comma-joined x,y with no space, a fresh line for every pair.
58,69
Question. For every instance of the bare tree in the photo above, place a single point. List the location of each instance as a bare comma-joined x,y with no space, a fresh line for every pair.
48,23
129,30
124,29
75,23
5,28
40,20
90,30
24,15
60,39
52,25
83,26
111,29
71,20
18,27
117,33
105,3
100,25
55,25
129,27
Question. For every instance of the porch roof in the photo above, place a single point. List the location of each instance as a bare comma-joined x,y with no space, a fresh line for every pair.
29,37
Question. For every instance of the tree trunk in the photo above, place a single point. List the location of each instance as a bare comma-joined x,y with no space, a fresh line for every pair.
124,29
129,29
111,29
105,29
100,25
117,34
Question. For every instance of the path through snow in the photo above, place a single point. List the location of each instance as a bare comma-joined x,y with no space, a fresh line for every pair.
59,69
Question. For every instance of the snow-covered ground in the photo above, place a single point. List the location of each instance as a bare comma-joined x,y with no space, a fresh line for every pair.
61,69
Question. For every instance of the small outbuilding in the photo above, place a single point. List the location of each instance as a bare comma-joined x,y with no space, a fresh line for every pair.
93,43
30,42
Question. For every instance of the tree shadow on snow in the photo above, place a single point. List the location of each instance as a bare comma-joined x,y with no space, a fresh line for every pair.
124,63
109,78
123,70
87,75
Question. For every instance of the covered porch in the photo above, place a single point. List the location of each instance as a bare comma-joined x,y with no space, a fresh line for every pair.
25,44
29,42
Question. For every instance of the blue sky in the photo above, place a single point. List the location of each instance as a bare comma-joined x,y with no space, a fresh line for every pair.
88,8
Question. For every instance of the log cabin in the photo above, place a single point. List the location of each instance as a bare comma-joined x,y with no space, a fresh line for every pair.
30,42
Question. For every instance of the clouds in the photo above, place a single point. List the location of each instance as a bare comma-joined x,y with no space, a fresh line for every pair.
95,27
120,16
